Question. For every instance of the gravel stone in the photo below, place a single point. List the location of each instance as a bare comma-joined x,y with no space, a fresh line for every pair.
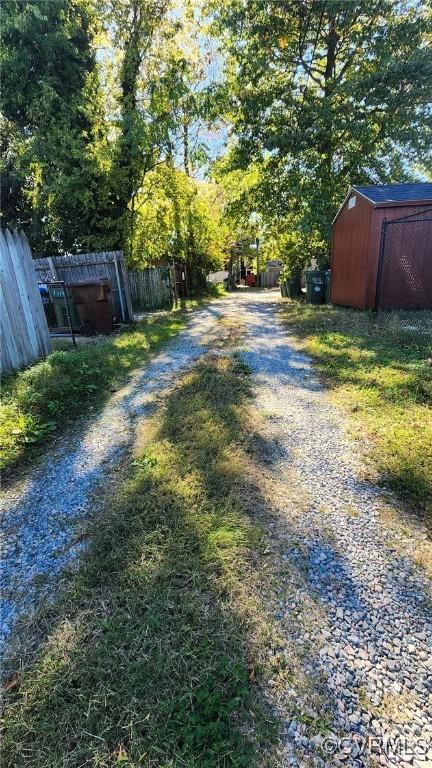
355,610
375,605
41,513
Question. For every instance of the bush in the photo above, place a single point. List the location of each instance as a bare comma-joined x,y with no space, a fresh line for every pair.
37,400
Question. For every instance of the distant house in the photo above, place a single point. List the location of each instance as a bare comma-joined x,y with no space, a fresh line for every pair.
382,247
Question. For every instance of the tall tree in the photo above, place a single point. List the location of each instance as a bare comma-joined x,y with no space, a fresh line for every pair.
326,93
194,121
52,123
162,118
138,31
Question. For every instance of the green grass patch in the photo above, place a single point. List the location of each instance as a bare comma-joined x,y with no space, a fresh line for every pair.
380,368
36,401
216,290
147,659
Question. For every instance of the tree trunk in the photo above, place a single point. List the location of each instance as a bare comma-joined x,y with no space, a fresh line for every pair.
128,160
195,274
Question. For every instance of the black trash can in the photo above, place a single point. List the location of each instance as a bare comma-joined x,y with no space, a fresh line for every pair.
316,286
294,287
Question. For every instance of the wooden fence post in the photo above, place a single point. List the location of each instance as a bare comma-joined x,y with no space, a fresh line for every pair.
120,290
126,288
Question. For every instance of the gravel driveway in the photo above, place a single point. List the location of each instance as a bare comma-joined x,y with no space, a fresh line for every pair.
41,514
355,616
353,613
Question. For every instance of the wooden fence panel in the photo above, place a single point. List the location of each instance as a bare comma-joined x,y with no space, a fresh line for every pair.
31,277
23,327
140,289
218,277
269,278
12,309
150,288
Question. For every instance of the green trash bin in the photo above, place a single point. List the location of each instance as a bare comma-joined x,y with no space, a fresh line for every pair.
57,295
316,286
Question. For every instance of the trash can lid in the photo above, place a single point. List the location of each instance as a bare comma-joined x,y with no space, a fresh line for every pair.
96,289
91,280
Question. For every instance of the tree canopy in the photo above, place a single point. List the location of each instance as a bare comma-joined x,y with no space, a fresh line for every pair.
173,128
53,131
324,94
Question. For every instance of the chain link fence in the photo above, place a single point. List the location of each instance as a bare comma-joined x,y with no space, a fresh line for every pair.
403,322
404,282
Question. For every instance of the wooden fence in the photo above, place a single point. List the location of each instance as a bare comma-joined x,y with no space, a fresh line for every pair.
150,288
269,278
23,326
218,277
131,290
87,266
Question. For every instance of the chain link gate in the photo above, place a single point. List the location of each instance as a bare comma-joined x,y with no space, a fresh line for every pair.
404,279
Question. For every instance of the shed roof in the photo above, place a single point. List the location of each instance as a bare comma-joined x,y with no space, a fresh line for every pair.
396,193
388,195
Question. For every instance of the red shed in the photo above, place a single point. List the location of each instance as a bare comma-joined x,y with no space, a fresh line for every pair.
382,247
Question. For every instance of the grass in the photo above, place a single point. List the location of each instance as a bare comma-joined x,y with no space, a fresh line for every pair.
38,400
150,657
380,371
395,707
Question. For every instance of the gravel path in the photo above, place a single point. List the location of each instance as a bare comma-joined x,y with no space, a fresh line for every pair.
354,614
40,515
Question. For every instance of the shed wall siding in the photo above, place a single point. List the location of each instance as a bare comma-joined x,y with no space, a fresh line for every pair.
350,254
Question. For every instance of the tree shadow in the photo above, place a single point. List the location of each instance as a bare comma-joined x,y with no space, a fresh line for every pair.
40,522
147,656
151,656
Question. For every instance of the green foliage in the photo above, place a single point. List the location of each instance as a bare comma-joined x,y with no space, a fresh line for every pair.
107,110
53,135
93,144
216,290
324,95
294,247
169,207
240,189
138,31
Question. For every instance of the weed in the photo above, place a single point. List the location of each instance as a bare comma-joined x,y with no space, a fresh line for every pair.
394,707
150,657
36,401
381,374
215,290
351,511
